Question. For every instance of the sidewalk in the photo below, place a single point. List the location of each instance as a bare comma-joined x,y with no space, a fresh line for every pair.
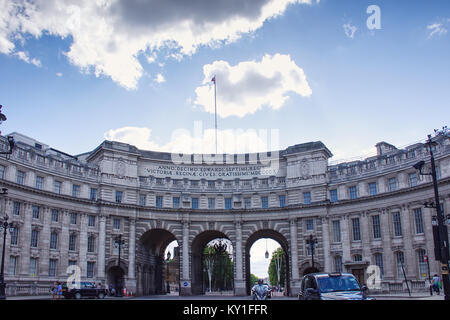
405,295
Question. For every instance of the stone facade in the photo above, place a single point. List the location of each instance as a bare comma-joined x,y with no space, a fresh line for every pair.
69,209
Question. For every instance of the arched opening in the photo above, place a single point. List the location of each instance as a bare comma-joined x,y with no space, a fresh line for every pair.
278,255
157,262
310,270
211,267
115,276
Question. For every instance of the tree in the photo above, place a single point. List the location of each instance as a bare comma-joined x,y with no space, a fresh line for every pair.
253,279
277,267
219,268
208,260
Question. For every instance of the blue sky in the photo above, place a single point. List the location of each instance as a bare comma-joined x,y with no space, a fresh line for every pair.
311,70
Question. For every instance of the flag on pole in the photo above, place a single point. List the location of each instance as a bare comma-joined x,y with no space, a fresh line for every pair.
214,79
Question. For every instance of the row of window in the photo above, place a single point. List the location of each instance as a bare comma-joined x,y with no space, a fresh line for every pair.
52,267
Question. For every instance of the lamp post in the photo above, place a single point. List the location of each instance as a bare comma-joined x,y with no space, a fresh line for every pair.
4,225
119,243
312,242
440,234
168,273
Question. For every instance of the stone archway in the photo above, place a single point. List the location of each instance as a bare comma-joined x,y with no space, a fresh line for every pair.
151,261
115,274
198,245
274,235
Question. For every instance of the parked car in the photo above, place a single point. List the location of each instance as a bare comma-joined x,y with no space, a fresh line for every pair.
85,289
332,286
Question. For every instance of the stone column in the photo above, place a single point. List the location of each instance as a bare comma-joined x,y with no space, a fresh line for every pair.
101,247
186,285
25,238
365,237
295,281
388,255
239,283
326,245
408,236
83,245
64,243
44,243
131,281
346,256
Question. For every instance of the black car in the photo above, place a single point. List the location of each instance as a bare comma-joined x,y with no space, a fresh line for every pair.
84,289
332,286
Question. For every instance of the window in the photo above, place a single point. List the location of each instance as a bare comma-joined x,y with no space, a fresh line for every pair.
247,203
142,200
39,182
33,267
357,258
91,221
2,172
412,179
55,215
91,244
376,227
12,265
90,269
282,199
392,184
307,197
116,223
15,236
264,202
72,262
418,219
356,229
333,195
73,218
373,188
400,259
379,262
159,181
423,268
75,190
211,202
72,242
194,203
52,268
20,177
34,238
336,231
228,204
53,240
397,224
119,195
35,211
211,184
57,187
93,194
16,208
310,225
353,192
337,264
176,202
159,201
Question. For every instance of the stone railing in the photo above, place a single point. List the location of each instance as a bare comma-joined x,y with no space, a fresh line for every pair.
27,289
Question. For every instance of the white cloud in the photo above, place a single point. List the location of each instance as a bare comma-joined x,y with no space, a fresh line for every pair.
59,74
349,30
24,57
160,78
109,35
437,29
247,87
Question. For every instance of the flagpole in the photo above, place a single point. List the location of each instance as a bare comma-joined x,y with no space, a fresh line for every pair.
215,110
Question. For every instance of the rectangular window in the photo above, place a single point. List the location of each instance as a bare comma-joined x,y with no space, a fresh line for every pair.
333,195
72,262
247,203
53,240
91,244
211,203
400,261
93,194
373,188
15,236
264,202
282,200
20,177
90,269
73,218
176,202
353,192
16,208
336,231
72,242
57,187
52,268
338,264
307,197
310,225
35,210
228,204
91,221
159,201
75,190
119,195
392,184
2,172
142,200
356,229
194,203
116,223
379,262
55,215
376,227
12,265
33,267
412,179
39,183
418,219
34,238
397,224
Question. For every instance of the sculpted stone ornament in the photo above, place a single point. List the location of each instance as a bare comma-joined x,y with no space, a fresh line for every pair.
120,168
305,172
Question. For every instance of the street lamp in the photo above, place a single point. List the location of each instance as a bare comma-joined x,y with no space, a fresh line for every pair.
440,234
119,243
168,273
4,225
312,242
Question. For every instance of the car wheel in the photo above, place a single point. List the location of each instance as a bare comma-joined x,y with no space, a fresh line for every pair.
101,295
77,295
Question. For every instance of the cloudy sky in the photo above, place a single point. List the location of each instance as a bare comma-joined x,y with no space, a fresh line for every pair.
76,72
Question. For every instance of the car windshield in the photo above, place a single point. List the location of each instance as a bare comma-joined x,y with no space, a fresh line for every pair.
340,283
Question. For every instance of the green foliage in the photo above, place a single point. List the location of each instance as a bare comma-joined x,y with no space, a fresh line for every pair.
222,269
273,275
253,279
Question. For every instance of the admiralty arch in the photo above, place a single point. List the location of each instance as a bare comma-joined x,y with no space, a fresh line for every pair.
69,209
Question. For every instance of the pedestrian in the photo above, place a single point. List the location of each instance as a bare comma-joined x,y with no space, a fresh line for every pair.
59,288
54,290
436,283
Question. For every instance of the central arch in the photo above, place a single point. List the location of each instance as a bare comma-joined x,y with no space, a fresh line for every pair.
198,245
274,235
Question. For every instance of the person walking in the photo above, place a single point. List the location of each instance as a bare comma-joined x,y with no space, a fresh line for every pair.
59,290
436,283
54,290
